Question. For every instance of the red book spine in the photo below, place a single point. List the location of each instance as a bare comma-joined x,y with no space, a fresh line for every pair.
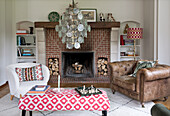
22,33
121,40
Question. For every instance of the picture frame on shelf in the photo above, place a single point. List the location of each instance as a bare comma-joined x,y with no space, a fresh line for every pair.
89,14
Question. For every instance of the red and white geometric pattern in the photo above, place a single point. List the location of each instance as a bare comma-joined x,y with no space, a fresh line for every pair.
135,33
19,73
64,100
38,72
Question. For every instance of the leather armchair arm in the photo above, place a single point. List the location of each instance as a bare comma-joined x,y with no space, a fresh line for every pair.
158,72
152,74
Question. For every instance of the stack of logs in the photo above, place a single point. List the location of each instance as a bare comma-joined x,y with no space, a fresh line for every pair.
53,65
77,67
102,66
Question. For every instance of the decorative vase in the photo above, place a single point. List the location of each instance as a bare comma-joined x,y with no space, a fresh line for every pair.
31,30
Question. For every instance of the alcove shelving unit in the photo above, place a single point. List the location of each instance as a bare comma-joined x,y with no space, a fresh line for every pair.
26,47
126,49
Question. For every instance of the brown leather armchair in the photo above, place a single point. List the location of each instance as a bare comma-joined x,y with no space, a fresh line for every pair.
149,84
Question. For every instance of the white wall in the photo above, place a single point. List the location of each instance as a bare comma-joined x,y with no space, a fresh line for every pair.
8,33
6,41
2,42
156,30
38,10
164,31
148,37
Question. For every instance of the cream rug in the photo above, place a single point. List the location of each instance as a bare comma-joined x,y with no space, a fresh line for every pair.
121,105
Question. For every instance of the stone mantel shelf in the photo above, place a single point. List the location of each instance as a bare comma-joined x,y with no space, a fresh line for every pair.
97,25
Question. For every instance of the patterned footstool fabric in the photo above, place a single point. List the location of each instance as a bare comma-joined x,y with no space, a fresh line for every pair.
64,100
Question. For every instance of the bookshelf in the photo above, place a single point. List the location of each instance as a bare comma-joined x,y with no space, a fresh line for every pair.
126,45
26,47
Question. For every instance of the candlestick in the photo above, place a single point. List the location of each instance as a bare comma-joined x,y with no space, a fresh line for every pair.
58,83
84,87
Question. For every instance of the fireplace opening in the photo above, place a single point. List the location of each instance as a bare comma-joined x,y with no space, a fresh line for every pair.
78,64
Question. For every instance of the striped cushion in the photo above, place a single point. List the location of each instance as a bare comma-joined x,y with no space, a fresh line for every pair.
30,73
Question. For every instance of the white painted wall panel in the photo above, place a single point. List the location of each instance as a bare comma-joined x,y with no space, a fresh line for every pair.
148,36
2,42
38,10
164,31
6,41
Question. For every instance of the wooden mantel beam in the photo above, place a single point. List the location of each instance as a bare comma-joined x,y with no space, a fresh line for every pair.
99,25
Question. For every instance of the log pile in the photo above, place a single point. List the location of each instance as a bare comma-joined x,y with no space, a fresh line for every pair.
102,66
77,67
53,65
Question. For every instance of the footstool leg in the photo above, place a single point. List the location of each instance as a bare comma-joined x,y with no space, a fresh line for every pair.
30,113
104,113
23,112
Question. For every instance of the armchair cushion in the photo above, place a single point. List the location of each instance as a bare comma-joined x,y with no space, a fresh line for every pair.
126,81
143,64
30,73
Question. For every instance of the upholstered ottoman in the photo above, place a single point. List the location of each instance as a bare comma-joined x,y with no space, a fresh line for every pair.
64,100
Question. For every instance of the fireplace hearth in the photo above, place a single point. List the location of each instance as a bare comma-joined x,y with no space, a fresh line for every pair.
78,64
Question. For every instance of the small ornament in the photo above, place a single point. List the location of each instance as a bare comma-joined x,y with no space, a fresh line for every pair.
85,92
125,30
110,18
89,91
92,89
97,91
101,15
31,30
81,91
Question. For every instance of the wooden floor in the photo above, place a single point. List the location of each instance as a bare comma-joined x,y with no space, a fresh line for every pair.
166,104
5,90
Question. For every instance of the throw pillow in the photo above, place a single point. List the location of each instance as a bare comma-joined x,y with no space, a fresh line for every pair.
30,73
143,64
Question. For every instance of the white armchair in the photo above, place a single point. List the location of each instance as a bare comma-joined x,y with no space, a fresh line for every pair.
18,88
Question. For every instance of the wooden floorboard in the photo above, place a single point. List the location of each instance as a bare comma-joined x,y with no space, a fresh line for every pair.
5,90
166,103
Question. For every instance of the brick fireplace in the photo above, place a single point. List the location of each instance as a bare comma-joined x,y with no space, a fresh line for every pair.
98,43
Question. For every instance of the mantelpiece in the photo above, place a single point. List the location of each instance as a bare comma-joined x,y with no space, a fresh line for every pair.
101,25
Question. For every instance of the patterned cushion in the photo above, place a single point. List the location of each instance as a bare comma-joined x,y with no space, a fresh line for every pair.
143,64
30,73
